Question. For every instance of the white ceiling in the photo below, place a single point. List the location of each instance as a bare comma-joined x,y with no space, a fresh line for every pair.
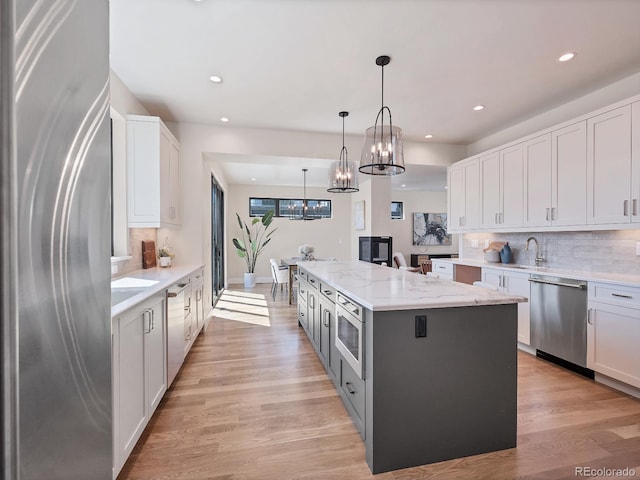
293,64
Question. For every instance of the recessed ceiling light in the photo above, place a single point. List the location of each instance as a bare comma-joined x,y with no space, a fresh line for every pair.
567,56
253,179
215,79
428,136
477,108
224,119
403,185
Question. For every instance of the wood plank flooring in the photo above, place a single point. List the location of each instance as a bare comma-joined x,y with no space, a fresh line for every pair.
253,401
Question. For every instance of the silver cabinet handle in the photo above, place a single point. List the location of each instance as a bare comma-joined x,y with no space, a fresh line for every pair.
621,295
153,319
146,317
547,214
349,389
328,292
501,217
625,208
589,319
495,218
634,207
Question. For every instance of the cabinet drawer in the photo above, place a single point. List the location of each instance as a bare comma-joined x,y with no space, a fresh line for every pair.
328,292
615,294
445,268
303,291
353,388
313,281
302,313
302,274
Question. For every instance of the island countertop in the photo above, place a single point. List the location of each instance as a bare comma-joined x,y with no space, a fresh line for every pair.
381,288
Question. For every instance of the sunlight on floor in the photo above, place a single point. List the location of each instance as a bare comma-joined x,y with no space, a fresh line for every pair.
243,307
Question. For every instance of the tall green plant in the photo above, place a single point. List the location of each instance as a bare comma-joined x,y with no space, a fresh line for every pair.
253,239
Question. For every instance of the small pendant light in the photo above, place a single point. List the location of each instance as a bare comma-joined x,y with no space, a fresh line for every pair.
382,151
306,213
343,176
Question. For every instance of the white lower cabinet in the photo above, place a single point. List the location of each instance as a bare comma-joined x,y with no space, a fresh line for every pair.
139,373
613,332
514,283
443,268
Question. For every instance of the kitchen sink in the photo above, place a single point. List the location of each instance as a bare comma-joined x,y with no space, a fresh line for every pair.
124,288
119,295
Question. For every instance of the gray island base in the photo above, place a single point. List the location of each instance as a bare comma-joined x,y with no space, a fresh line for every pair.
450,394
426,368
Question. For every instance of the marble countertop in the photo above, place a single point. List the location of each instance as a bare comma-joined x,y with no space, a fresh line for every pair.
143,284
383,288
613,278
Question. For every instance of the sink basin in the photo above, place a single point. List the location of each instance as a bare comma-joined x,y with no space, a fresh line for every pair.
119,295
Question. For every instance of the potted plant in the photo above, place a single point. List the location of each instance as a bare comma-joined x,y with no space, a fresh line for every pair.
251,243
165,254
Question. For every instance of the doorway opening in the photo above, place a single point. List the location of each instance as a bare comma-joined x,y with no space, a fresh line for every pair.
217,240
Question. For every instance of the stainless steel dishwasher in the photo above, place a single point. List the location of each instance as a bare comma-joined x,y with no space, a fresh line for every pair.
559,318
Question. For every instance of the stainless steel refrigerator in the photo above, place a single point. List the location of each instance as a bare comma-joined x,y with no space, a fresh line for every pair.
55,234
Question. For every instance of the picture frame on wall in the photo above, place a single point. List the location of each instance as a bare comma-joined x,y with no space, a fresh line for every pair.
358,217
430,229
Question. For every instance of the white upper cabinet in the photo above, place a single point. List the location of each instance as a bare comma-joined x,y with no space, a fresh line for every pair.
502,188
582,174
609,168
537,161
569,175
635,162
463,195
153,169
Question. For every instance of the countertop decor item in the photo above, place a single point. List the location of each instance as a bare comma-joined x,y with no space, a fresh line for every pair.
505,253
148,254
492,252
382,152
252,241
306,251
343,176
165,254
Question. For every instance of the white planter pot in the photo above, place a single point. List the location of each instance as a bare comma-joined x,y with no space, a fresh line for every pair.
165,261
249,280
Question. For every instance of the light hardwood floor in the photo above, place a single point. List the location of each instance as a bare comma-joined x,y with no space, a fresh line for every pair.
253,401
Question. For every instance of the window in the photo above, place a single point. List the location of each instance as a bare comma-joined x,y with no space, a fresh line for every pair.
288,207
397,210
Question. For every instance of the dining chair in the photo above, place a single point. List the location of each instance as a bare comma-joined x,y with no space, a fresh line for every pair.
401,263
280,276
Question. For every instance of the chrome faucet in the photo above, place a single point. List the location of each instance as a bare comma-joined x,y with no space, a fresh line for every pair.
539,259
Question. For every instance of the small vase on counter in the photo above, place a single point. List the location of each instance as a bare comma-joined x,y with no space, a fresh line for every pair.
505,253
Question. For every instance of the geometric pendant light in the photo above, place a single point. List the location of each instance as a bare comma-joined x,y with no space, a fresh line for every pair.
382,153
343,175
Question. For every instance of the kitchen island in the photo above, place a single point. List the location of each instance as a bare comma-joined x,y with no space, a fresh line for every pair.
431,373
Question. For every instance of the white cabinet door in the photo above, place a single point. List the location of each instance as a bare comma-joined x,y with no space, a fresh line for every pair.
455,197
493,277
569,175
132,412
511,187
609,167
153,174
635,162
491,202
155,355
518,284
537,191
613,336
471,218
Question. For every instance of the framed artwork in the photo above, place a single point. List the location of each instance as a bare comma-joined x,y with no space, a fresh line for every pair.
359,215
430,229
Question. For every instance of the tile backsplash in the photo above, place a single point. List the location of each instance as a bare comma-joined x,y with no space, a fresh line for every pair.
136,236
607,251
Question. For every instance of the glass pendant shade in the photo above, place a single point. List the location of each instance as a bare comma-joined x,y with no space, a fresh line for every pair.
382,152
343,174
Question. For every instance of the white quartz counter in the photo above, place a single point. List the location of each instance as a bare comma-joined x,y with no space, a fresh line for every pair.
614,278
143,284
383,288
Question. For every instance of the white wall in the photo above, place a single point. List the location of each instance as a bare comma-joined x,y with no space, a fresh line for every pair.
418,202
329,236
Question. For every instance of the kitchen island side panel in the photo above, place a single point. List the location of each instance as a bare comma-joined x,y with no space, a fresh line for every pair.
450,394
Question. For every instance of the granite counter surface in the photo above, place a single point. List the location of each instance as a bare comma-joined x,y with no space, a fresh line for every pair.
383,288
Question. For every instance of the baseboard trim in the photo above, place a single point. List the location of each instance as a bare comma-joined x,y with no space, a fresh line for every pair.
617,385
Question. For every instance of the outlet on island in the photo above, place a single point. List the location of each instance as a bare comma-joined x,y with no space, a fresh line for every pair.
421,326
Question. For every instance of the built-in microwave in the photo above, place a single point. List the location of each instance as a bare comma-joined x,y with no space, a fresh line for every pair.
349,333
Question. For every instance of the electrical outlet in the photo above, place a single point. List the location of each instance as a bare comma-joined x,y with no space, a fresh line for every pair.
474,243
486,244
638,248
